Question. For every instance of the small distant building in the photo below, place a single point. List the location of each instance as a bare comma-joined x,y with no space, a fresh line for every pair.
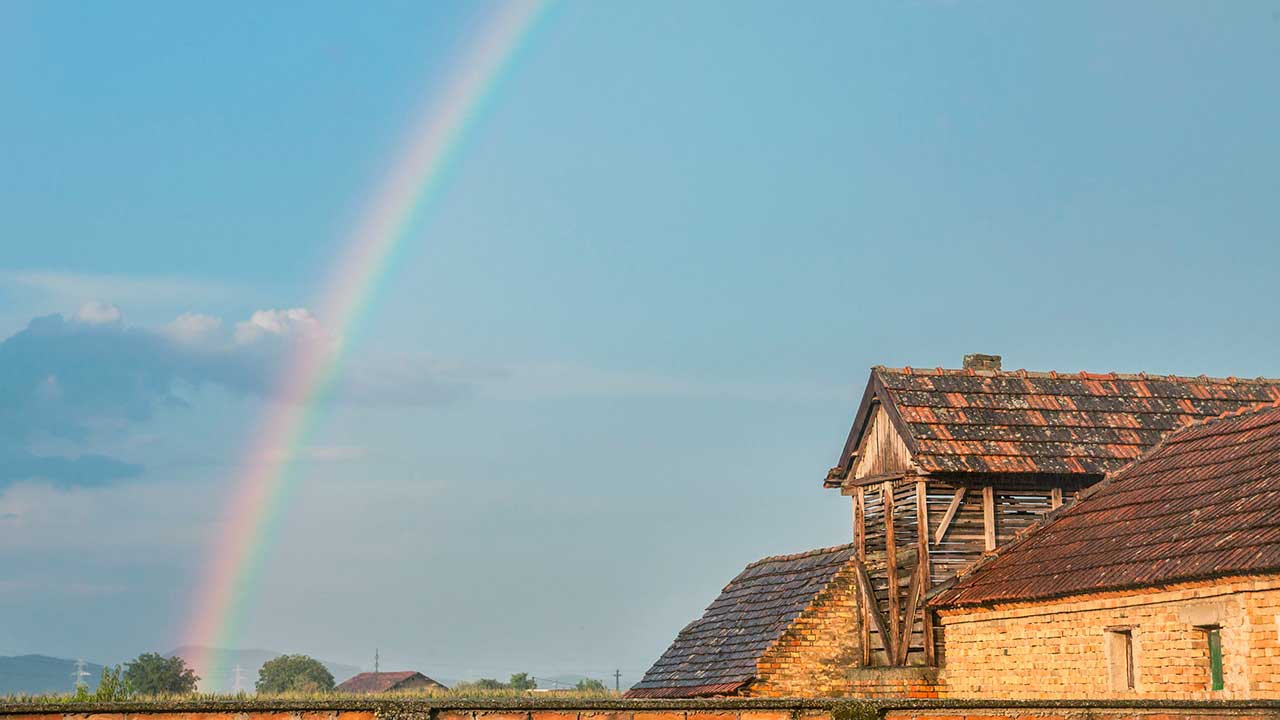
385,682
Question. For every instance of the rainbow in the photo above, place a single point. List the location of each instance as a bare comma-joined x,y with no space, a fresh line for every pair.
224,590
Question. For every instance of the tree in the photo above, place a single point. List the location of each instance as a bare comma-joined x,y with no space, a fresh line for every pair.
589,685
522,681
154,674
294,673
111,688
481,684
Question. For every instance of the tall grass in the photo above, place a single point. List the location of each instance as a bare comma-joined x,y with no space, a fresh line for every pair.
294,697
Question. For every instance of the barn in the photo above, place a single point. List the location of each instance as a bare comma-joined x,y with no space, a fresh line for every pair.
942,468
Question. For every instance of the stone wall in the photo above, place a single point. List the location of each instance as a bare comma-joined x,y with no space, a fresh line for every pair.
813,656
1062,648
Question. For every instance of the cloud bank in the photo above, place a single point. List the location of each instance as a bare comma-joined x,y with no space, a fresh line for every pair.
62,379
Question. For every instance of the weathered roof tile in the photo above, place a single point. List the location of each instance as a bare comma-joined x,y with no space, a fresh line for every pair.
962,421
717,653
367,682
1203,503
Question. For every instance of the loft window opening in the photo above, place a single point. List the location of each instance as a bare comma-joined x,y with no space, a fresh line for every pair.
1213,638
1120,657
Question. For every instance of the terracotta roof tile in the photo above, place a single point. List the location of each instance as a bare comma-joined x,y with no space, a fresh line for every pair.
966,421
1205,502
717,653
368,682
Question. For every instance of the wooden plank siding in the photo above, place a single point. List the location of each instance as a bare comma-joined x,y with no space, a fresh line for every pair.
914,531
934,551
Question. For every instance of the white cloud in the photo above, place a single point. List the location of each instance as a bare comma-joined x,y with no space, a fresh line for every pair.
96,312
291,323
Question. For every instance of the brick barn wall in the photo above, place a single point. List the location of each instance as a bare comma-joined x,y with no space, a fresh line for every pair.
1059,649
813,656
874,683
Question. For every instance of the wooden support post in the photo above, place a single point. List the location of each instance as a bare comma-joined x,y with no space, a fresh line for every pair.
860,523
945,523
989,516
1055,498
860,538
869,602
891,567
913,598
925,569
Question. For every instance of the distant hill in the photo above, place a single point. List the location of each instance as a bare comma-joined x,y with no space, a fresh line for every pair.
41,674
249,661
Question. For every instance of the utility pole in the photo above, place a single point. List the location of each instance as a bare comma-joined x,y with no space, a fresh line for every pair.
377,666
239,671
617,680
80,674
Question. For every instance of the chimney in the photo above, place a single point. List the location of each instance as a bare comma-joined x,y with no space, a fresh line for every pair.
978,361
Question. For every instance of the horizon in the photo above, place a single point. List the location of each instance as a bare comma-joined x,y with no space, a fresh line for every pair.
629,268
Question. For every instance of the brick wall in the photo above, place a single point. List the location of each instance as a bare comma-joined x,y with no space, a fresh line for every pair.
384,709
895,682
813,656
1091,713
1060,649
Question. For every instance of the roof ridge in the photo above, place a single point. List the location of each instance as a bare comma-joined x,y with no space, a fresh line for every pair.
954,593
1254,409
800,555
1081,374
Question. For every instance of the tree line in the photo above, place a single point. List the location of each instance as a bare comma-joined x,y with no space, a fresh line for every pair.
524,681
154,674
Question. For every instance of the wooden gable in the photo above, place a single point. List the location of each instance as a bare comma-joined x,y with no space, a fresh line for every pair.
882,451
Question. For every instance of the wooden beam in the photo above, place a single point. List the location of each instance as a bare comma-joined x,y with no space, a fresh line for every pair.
926,569
945,523
869,602
860,523
913,596
1055,498
891,559
922,521
849,483
989,517
860,538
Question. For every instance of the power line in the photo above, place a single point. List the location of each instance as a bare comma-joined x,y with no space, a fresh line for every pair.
80,674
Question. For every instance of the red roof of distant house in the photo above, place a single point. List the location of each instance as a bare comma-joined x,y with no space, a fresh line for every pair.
380,682
1000,421
1204,503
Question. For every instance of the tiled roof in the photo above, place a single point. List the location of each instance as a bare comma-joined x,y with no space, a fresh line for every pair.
368,682
717,653
1204,503
973,421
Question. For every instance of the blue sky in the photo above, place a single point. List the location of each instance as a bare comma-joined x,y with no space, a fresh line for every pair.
618,353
